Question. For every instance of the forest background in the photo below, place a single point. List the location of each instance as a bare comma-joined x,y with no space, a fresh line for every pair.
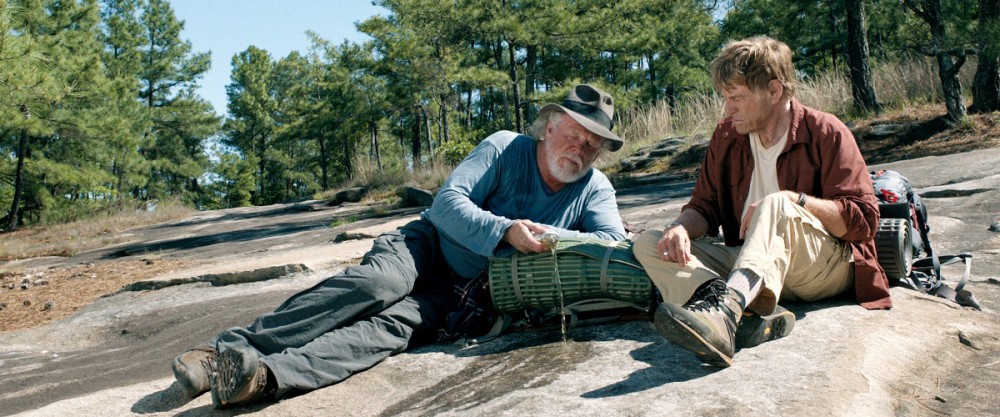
99,112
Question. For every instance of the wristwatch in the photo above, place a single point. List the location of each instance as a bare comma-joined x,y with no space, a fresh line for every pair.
802,200
672,225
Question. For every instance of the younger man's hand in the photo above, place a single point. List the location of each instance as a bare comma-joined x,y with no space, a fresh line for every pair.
675,245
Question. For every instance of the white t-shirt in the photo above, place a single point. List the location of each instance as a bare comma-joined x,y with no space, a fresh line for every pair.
765,175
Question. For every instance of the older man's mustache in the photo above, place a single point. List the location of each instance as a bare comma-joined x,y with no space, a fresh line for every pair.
575,160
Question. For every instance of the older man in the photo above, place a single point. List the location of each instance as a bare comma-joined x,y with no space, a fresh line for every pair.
791,192
509,189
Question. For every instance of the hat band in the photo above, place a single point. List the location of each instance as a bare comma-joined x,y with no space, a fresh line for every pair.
590,112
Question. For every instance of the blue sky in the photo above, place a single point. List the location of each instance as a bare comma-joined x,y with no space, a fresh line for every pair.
227,27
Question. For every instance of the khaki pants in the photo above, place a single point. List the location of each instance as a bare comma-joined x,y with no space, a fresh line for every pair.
786,246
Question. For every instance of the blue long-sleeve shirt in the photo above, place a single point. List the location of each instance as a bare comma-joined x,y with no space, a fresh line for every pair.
500,182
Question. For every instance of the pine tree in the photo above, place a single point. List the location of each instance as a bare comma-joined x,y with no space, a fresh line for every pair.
947,47
250,126
122,38
61,162
178,120
857,57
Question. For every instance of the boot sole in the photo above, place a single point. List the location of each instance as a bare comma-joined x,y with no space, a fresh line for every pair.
754,330
235,370
684,337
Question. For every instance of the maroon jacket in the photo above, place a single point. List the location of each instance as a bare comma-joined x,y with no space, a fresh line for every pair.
820,159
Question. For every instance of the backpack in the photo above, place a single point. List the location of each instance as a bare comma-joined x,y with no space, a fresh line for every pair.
903,244
582,281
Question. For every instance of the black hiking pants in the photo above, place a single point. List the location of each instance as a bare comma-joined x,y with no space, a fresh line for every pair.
397,297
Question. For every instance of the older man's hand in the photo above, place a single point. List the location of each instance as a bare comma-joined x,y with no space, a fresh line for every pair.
521,235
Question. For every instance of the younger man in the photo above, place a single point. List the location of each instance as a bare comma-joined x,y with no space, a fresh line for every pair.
792,194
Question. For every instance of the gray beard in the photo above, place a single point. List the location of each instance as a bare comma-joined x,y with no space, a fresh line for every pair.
564,175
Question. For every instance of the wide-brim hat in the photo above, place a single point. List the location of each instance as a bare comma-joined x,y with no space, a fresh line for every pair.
593,109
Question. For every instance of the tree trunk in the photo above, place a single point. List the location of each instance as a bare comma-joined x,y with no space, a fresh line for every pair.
415,139
323,158
261,169
347,157
468,108
119,173
857,58
515,87
427,128
653,91
14,215
373,128
951,86
986,84
498,55
445,131
530,78
836,35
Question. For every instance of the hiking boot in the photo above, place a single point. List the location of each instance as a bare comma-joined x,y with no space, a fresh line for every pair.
754,329
194,368
241,378
706,325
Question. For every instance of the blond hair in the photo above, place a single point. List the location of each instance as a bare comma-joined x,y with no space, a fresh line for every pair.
753,63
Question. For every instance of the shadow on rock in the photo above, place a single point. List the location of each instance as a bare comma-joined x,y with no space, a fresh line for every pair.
170,398
667,364
209,410
802,309
531,360
173,397
527,363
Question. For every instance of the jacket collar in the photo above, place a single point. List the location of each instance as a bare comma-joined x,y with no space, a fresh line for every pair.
798,114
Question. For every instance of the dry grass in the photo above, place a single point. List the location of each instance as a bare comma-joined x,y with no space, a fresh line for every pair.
66,290
898,86
382,184
72,238
829,92
980,131
645,126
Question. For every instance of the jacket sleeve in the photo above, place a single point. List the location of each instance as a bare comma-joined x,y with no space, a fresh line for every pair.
457,209
704,197
846,181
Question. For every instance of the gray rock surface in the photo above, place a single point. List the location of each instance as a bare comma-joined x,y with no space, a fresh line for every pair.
350,195
414,197
923,357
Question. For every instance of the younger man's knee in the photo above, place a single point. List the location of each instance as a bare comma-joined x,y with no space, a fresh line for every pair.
776,206
775,201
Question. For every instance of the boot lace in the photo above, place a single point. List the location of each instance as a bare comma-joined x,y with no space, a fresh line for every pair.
208,361
709,297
